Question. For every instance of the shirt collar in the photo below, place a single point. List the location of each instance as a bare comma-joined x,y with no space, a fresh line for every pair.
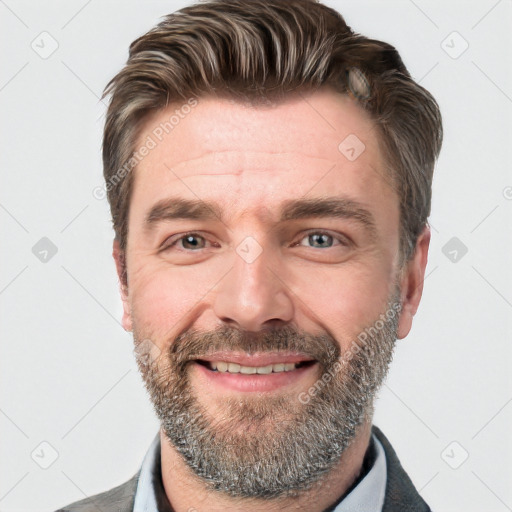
145,498
368,495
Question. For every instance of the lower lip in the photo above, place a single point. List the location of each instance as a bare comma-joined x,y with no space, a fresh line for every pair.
254,382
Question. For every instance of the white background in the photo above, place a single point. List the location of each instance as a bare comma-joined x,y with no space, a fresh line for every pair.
67,367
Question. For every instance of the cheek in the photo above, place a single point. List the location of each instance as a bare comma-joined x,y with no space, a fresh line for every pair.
162,298
344,301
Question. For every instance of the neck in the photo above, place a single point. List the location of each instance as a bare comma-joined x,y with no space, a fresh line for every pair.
186,492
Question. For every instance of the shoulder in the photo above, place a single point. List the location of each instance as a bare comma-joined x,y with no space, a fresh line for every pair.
401,495
117,499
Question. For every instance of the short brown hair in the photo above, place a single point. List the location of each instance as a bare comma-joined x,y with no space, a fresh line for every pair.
271,48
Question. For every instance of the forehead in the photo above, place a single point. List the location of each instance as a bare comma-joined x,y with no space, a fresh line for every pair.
321,143
316,123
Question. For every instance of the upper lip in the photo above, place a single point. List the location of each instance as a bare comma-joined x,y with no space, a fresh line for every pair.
262,359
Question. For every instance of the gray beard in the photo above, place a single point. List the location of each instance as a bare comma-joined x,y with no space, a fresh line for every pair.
269,447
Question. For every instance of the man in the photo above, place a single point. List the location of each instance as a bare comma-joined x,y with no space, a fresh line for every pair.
269,175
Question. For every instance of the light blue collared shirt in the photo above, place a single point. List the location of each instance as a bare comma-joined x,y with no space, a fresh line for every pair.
367,496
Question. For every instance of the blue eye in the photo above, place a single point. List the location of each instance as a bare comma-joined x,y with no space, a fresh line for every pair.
194,242
322,240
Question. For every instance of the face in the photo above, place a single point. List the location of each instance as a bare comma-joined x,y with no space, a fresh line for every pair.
258,244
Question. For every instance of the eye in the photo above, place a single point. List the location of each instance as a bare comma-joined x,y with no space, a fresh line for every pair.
323,240
188,242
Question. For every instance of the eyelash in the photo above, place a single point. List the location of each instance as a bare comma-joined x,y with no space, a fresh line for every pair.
343,241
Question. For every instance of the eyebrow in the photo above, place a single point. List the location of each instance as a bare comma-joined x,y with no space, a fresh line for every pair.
334,207
292,209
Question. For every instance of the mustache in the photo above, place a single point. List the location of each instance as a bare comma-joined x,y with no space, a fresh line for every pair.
192,344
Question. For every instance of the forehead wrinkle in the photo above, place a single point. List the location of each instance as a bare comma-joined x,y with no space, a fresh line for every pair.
215,157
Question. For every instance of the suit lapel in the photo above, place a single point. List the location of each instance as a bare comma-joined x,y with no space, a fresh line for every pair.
401,495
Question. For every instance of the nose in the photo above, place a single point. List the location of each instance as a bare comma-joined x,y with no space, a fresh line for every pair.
252,297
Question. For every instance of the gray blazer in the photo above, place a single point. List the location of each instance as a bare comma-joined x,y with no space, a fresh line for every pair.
401,495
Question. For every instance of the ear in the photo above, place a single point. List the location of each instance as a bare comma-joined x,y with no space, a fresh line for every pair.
412,283
119,258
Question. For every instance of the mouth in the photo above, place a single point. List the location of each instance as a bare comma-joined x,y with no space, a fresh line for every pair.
229,367
223,375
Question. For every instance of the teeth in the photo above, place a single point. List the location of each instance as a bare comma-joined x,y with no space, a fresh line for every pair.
224,367
264,370
233,368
